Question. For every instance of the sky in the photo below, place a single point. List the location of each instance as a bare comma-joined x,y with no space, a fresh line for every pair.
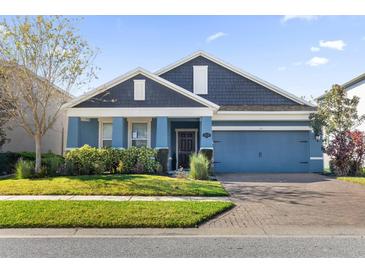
303,55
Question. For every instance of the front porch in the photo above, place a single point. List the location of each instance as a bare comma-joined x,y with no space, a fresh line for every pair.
178,137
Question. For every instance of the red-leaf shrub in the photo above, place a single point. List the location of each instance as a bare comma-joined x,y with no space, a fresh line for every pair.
347,150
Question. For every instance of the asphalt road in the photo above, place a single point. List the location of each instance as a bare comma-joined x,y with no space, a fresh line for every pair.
337,246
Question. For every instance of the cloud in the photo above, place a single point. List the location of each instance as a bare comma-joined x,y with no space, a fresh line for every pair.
315,49
363,38
287,18
334,44
317,61
296,64
215,36
282,68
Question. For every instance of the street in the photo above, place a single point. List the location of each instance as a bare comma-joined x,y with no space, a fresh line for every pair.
185,246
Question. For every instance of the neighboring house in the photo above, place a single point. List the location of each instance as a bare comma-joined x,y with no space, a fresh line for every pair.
199,103
52,141
356,87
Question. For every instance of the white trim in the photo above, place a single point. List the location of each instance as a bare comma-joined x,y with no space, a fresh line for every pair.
261,128
266,112
316,158
195,130
101,122
236,70
261,116
139,112
139,120
147,74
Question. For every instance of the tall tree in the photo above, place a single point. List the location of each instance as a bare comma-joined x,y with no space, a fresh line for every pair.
42,60
337,113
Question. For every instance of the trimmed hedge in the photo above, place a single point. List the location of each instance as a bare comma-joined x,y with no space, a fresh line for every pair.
88,160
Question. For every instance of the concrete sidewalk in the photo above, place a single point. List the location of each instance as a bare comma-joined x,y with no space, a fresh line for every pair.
109,198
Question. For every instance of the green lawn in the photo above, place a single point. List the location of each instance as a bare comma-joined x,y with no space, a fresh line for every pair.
17,214
136,184
357,180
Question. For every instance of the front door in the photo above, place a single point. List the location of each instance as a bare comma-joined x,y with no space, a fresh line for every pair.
186,146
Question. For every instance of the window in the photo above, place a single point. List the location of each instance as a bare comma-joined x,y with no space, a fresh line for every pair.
107,134
139,90
139,134
200,79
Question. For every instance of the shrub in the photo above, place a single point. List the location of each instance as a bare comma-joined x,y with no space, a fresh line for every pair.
52,165
199,167
139,160
347,150
87,160
83,160
8,161
24,169
111,158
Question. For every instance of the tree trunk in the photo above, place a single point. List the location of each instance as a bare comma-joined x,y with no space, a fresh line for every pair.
38,152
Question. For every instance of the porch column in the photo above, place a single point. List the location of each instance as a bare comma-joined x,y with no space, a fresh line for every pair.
73,132
206,140
162,133
118,132
162,142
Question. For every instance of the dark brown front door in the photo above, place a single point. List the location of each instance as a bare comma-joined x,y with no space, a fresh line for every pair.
186,146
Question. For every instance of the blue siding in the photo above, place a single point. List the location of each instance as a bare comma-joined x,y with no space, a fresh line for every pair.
261,123
156,95
206,142
316,165
118,132
261,151
225,87
89,133
73,132
162,132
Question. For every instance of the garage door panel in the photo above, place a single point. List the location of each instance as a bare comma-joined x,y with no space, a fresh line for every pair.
251,151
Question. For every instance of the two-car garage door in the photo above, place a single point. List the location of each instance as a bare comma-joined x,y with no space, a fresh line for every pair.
261,151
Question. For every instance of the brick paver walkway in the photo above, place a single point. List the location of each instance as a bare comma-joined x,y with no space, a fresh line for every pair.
266,201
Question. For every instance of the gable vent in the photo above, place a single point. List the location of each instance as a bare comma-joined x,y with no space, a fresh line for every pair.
200,79
139,90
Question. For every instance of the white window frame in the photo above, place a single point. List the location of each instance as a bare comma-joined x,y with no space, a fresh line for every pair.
139,120
103,121
200,79
139,90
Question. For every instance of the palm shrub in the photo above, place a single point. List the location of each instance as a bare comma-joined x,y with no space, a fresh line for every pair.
24,169
199,167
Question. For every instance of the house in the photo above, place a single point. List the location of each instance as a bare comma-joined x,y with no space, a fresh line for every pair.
356,87
199,103
19,140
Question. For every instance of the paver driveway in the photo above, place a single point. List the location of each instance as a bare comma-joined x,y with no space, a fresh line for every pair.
283,202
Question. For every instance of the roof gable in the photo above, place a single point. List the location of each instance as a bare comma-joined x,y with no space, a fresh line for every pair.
111,94
253,81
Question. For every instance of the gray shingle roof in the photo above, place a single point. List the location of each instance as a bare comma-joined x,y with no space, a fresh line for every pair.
267,108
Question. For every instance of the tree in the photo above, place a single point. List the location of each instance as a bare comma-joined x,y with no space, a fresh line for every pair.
42,60
335,121
336,114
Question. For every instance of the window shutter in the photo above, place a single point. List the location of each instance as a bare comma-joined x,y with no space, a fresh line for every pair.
139,90
200,79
